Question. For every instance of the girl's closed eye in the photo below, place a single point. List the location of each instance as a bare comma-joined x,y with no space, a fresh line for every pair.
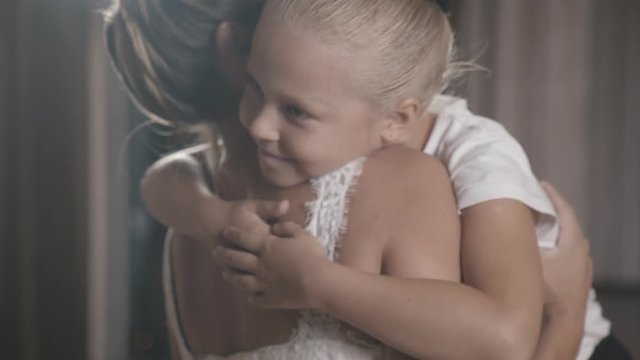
295,113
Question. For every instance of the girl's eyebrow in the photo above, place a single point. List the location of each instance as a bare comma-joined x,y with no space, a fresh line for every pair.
314,104
297,98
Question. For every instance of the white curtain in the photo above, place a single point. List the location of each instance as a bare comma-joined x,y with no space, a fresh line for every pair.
565,80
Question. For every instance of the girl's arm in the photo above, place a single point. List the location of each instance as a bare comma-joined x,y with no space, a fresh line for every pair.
168,199
496,315
175,193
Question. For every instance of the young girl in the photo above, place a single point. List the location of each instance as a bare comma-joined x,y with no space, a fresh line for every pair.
471,258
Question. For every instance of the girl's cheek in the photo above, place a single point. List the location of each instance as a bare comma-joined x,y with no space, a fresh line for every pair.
247,108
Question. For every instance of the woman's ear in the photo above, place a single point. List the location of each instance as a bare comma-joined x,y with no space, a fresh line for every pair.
401,121
233,45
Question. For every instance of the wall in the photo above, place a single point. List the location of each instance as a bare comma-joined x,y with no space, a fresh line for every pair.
564,80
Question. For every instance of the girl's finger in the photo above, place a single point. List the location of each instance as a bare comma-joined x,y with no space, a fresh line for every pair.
570,230
271,210
561,205
243,240
286,229
236,259
241,281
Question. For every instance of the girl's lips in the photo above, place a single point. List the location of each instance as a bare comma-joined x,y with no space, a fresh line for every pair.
269,157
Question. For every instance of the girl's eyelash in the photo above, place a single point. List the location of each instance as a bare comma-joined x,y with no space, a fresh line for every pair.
295,112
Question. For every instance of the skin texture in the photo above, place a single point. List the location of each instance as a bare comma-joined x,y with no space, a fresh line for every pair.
486,301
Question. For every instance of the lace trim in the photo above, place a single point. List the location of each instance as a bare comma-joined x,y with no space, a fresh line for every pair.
327,217
327,213
170,305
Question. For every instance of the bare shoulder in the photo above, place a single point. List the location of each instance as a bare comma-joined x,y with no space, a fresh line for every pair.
404,208
404,179
405,167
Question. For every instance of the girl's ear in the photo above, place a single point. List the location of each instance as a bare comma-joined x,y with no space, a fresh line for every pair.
401,121
233,44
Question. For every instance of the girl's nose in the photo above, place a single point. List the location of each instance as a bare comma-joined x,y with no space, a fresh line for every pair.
264,127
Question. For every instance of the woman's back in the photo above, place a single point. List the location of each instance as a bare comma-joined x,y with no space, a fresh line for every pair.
213,317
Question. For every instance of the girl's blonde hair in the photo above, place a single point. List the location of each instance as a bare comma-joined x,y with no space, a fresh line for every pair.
164,52
405,46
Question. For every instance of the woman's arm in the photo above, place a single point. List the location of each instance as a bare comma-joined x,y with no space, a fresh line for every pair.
495,316
568,277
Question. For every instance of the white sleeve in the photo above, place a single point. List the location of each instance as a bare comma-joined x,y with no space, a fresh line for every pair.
486,163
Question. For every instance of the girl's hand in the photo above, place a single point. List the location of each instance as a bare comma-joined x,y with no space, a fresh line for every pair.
567,268
278,268
215,215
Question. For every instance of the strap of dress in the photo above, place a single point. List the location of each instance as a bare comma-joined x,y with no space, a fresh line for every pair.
175,330
327,221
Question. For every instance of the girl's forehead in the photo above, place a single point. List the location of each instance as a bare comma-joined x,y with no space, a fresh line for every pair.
299,65
279,39
283,53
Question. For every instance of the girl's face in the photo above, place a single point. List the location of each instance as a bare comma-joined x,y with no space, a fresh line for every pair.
301,108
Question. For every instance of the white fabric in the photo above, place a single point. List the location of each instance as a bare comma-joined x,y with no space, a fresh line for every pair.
318,336
485,162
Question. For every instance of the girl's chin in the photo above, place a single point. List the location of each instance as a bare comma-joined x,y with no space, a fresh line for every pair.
281,182
281,179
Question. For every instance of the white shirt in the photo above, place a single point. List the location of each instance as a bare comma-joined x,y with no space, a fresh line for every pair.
485,162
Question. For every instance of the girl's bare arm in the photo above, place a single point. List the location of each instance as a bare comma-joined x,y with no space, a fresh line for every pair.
175,193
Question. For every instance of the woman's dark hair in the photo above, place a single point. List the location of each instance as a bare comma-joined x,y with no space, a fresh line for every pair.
165,53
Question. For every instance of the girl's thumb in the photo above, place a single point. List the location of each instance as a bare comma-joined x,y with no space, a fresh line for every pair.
270,210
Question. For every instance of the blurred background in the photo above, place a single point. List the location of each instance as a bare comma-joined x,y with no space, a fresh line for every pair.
80,257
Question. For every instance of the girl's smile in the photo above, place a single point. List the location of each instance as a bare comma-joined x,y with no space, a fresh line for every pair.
301,106
270,160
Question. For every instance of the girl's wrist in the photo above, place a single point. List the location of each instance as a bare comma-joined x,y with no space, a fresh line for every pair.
212,216
321,286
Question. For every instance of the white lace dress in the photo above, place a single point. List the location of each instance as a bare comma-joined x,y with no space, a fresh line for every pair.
318,336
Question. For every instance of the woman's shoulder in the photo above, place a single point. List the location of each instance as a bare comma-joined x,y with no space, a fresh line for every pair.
396,181
403,207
